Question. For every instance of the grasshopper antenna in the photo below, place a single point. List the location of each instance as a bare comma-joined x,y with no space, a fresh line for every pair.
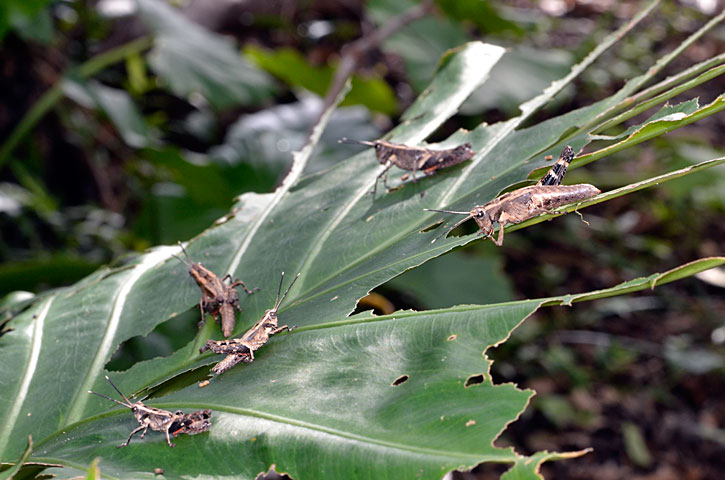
119,391
185,262
356,142
467,217
109,398
128,402
279,301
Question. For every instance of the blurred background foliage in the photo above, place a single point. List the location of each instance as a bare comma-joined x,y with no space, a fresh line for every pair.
112,140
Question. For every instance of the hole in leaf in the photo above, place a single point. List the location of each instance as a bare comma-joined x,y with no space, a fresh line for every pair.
452,337
272,474
432,226
400,379
473,380
165,339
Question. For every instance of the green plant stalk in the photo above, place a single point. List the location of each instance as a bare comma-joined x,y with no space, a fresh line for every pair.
642,107
42,201
636,83
673,80
51,97
635,139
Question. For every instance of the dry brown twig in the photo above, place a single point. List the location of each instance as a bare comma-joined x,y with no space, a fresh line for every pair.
353,53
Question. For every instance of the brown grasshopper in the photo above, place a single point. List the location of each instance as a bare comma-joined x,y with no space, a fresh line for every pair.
162,420
242,349
413,158
217,298
527,202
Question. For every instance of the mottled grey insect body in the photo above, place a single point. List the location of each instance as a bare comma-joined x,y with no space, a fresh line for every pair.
242,349
217,297
161,420
527,202
414,158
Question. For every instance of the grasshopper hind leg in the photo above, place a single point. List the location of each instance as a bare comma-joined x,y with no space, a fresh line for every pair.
168,439
498,241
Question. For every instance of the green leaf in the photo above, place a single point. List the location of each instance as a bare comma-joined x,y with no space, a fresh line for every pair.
668,119
290,66
666,113
480,13
193,60
446,281
421,43
391,373
25,16
11,472
116,104
635,445
265,138
530,70
258,411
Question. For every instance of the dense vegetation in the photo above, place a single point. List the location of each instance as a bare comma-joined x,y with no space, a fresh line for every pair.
121,134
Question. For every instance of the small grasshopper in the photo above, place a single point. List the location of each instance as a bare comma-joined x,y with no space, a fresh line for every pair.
217,298
162,420
413,158
242,349
527,202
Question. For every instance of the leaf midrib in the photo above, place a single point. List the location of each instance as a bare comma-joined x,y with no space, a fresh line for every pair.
454,455
31,364
80,398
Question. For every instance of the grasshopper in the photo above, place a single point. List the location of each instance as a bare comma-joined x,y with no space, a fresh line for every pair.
217,298
242,349
527,202
413,158
161,420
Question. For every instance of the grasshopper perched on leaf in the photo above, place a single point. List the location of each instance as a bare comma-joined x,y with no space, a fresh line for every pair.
527,202
242,349
413,158
217,298
162,420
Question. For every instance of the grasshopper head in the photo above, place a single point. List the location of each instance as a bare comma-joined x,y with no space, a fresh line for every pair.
482,218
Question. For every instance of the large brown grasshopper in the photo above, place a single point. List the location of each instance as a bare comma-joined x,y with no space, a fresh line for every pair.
527,202
413,158
217,298
242,349
162,420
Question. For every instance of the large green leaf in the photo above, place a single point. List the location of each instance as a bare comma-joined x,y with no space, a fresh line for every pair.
289,65
320,401
192,59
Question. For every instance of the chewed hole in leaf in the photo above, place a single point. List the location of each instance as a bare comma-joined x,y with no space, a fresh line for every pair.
433,226
401,379
164,340
474,380
272,474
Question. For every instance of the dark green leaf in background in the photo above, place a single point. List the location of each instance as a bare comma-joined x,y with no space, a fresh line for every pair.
193,60
290,66
27,17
